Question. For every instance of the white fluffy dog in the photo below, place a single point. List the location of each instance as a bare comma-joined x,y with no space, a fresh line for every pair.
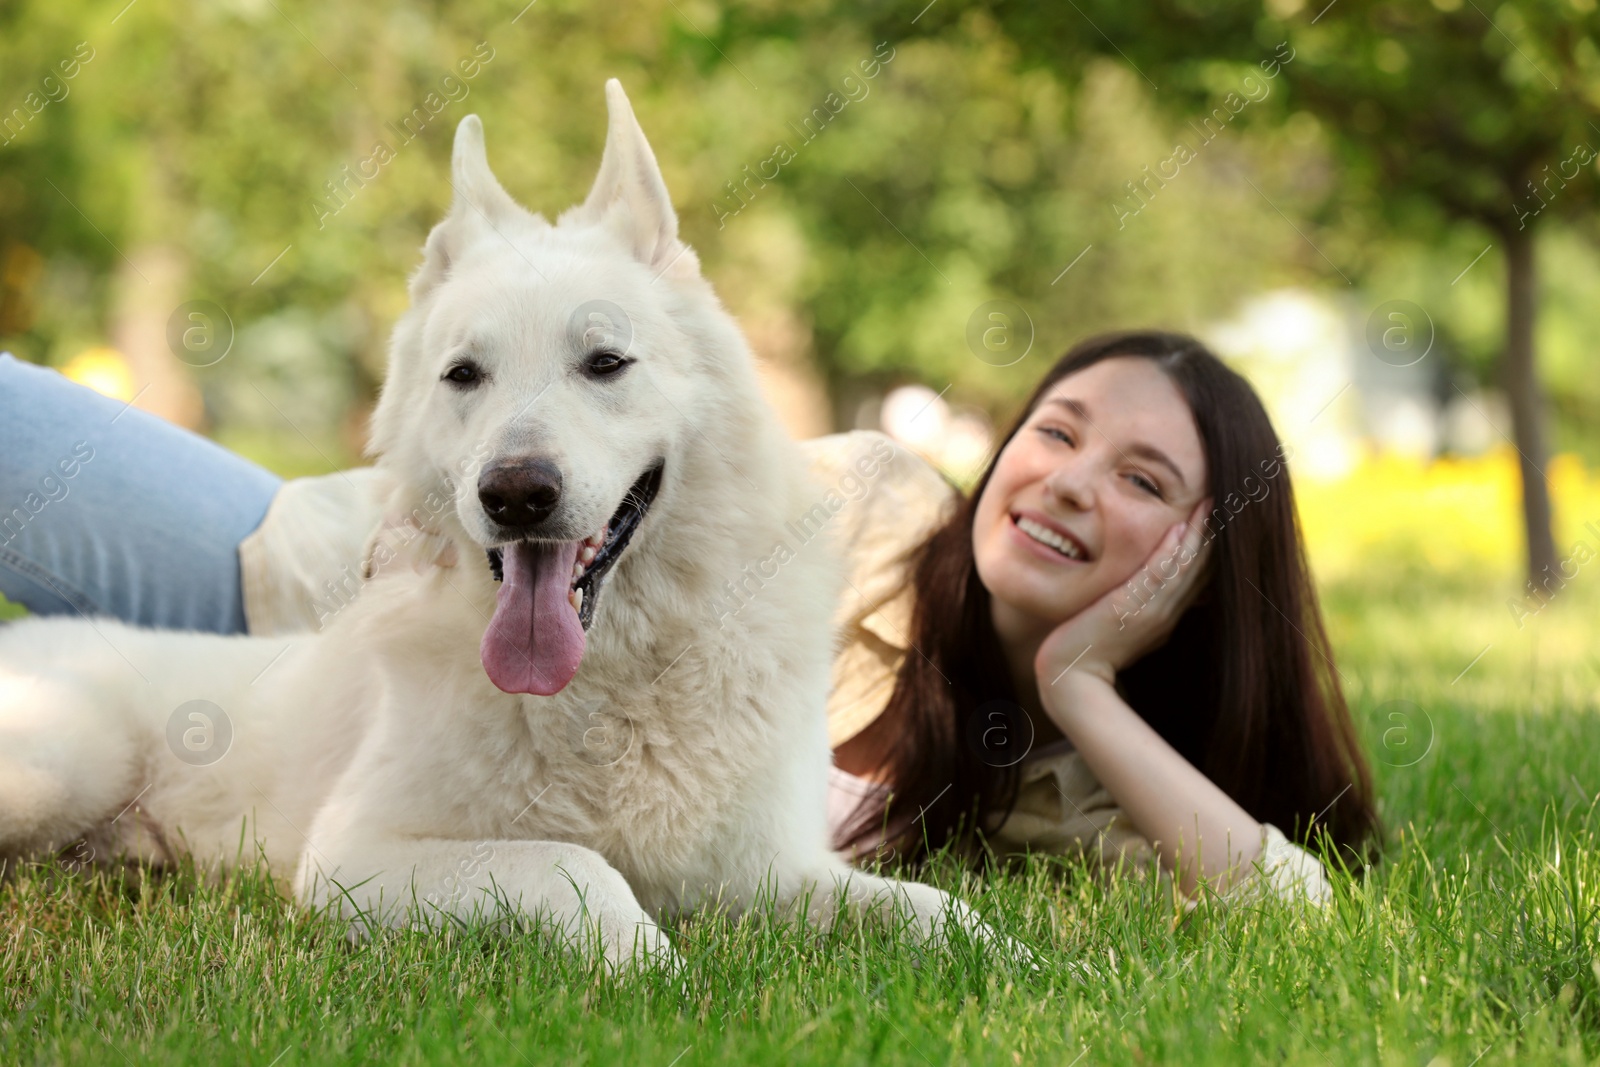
540,711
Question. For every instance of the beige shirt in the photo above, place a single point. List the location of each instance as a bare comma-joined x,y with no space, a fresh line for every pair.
304,564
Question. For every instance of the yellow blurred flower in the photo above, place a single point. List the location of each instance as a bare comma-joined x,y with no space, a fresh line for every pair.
1452,514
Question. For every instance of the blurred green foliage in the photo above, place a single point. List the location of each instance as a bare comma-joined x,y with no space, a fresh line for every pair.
993,147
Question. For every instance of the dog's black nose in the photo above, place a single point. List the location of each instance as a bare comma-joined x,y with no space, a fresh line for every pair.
520,492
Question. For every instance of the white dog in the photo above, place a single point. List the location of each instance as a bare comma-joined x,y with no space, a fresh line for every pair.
569,408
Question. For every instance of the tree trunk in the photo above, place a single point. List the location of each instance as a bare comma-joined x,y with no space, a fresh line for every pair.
1527,405
149,288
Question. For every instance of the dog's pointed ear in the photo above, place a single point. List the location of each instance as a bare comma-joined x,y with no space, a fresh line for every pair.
478,192
480,207
629,194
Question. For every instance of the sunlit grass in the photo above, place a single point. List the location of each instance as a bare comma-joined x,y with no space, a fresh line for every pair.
1474,938
8,610
1474,941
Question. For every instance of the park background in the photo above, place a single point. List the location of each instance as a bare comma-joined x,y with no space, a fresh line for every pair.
1382,212
210,209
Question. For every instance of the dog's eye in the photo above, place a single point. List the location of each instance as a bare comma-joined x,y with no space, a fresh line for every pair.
465,372
601,364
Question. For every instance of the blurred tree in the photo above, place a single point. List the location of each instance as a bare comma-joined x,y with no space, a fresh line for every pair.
989,158
1455,116
242,139
962,177
1442,115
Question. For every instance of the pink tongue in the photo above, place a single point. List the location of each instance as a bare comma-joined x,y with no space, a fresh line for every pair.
534,641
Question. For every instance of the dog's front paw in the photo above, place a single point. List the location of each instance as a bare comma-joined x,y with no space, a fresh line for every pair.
1001,946
647,949
1007,948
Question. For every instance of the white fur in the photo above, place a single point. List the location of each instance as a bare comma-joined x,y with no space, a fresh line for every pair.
374,764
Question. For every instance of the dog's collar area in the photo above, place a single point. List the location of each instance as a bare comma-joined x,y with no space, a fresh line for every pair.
619,530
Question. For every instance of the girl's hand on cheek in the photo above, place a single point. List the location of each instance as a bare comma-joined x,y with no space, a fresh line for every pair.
1129,621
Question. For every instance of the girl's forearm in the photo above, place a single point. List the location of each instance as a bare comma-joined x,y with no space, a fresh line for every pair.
1196,828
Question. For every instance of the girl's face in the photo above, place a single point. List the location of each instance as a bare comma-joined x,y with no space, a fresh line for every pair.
1086,489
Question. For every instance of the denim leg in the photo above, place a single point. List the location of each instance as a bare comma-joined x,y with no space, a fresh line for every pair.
106,510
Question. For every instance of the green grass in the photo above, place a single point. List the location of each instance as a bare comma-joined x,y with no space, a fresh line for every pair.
9,610
1473,942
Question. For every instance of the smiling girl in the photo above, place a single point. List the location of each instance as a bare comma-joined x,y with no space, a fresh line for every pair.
1111,647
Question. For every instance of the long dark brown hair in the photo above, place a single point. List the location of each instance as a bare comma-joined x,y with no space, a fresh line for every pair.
1244,688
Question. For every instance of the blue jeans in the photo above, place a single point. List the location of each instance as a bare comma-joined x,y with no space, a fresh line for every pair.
106,510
